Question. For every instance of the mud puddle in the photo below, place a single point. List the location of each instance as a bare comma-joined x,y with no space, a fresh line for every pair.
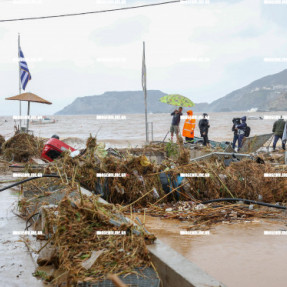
235,254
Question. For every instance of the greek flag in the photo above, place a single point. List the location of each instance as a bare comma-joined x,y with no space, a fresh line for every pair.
24,71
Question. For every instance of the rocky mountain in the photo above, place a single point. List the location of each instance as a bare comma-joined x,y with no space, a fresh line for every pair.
127,102
268,94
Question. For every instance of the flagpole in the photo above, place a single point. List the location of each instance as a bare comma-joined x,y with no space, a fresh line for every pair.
20,90
145,94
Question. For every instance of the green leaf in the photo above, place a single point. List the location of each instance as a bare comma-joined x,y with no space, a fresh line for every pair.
78,216
85,256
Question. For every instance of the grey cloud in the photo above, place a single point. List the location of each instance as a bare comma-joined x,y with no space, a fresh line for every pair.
121,32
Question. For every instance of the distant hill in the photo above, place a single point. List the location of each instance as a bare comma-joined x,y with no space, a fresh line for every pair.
268,94
127,102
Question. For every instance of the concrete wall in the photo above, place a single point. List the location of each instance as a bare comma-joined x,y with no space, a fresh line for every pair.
175,270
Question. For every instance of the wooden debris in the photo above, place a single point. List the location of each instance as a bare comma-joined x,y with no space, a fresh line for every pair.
94,256
116,280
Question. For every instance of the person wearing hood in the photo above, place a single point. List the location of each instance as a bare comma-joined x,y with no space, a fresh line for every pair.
278,129
236,121
188,127
203,128
241,131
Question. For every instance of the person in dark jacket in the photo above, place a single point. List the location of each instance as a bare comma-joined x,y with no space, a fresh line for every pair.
241,131
278,129
236,121
203,128
175,122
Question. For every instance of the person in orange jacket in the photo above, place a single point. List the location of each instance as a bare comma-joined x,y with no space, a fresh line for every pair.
188,127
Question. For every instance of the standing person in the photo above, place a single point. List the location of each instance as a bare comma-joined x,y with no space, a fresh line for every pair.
278,129
236,121
203,127
175,122
188,127
241,128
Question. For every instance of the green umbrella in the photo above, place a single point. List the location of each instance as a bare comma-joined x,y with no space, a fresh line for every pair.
177,100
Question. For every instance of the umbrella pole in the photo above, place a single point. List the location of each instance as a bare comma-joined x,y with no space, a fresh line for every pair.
20,114
28,116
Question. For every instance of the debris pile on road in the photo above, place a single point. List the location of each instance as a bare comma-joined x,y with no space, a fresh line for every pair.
21,147
203,216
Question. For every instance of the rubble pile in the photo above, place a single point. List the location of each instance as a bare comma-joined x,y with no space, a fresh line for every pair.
2,141
21,147
244,179
83,245
203,216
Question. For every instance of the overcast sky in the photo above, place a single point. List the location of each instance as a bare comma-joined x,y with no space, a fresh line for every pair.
202,51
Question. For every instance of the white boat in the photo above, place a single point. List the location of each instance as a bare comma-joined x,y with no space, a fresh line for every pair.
44,120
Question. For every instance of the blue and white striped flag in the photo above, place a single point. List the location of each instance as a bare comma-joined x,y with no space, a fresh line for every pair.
25,74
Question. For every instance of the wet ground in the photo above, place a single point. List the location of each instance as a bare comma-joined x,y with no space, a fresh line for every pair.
16,264
236,254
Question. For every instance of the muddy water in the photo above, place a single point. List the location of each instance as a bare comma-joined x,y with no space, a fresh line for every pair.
235,254
131,131
16,264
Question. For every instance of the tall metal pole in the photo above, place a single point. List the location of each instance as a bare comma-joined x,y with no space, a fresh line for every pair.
20,89
145,94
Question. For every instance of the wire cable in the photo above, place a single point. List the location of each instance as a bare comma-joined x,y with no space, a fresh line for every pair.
27,227
90,12
28,179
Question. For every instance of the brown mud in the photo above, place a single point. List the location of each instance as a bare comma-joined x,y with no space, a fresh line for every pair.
236,254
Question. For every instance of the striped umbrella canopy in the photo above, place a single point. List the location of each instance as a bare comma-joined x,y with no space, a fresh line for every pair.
177,100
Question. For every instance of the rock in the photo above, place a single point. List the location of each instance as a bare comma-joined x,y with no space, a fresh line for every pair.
47,256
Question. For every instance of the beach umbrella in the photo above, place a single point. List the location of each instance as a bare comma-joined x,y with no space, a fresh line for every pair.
177,100
29,97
